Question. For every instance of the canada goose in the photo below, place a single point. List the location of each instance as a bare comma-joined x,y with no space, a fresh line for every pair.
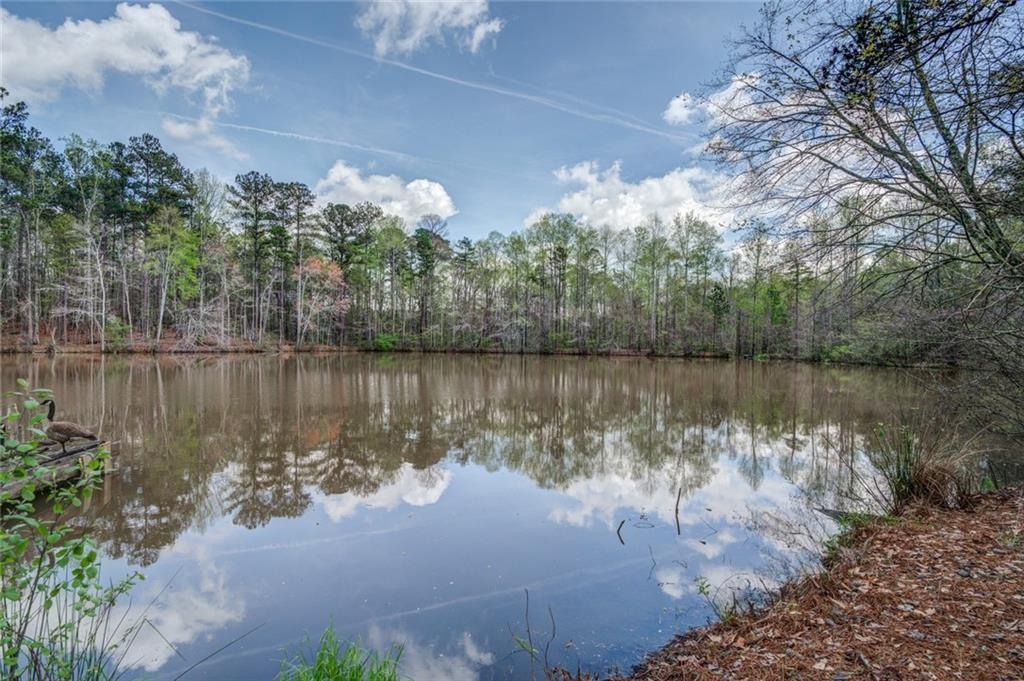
64,431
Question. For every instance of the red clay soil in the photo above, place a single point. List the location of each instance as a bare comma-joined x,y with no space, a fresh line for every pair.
939,595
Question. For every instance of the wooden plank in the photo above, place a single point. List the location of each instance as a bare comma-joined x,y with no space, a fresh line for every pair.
66,466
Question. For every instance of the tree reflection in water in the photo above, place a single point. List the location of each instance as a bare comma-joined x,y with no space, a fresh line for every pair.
415,496
256,438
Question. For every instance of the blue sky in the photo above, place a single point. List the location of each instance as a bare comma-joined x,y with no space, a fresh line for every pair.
416,116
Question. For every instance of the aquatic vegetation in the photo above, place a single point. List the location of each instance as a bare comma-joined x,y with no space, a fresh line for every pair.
333,660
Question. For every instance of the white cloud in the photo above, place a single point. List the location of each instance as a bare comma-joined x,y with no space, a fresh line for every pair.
605,198
400,27
198,604
421,660
481,31
201,130
681,110
38,62
686,108
408,200
413,487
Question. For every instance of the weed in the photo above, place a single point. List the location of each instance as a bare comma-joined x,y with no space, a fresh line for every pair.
1011,540
918,462
850,525
332,661
727,610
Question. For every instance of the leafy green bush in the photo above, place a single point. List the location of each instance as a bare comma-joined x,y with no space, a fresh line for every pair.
54,609
117,332
386,342
839,353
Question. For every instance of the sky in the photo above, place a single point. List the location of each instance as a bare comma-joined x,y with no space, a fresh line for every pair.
488,114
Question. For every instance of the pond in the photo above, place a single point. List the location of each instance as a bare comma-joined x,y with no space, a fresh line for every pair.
416,499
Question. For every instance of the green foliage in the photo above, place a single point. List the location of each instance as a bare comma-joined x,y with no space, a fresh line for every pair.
839,354
727,610
386,342
117,333
1011,539
54,608
332,661
851,523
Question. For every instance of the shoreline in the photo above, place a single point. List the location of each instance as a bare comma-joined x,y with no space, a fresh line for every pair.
289,348
936,594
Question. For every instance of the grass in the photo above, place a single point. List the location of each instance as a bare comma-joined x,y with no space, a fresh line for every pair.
334,661
850,525
1011,540
922,462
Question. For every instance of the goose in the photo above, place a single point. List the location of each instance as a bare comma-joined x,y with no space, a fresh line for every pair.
64,431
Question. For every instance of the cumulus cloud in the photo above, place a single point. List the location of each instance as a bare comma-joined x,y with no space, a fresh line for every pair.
39,62
686,108
681,110
400,27
603,197
408,200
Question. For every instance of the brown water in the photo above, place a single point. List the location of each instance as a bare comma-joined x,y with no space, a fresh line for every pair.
414,499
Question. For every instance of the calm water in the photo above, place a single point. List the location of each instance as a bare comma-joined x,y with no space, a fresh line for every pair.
413,499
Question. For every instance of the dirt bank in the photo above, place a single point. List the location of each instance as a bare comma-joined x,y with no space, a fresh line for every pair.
938,595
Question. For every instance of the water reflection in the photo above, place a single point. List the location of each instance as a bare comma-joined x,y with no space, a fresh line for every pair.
412,498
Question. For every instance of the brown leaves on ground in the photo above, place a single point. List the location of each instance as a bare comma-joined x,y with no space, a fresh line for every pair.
939,595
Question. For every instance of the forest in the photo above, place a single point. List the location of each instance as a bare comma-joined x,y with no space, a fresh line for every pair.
882,224
119,245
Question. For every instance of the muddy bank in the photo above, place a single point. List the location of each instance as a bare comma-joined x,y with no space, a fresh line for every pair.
938,595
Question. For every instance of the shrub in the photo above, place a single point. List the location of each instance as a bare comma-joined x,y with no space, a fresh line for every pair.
921,463
116,333
55,612
386,342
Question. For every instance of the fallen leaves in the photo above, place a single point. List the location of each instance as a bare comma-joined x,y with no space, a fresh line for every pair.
938,596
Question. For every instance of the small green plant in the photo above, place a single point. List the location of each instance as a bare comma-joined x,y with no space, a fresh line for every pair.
1011,539
850,524
726,610
333,661
524,645
55,612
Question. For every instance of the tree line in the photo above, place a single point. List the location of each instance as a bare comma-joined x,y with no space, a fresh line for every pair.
119,245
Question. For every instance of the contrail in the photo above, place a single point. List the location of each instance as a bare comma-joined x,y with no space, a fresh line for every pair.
400,155
572,98
475,85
